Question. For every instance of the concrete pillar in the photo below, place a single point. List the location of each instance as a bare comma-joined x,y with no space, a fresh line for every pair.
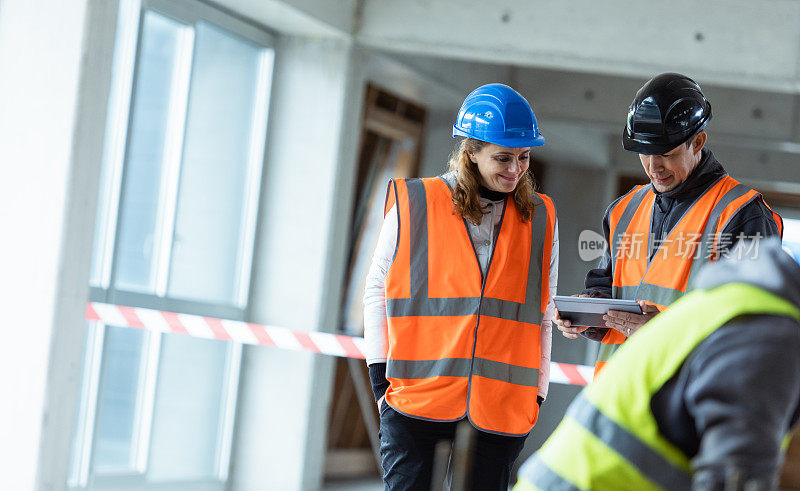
299,262
55,63
438,141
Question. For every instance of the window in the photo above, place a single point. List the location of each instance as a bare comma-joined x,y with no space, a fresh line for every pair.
791,232
175,226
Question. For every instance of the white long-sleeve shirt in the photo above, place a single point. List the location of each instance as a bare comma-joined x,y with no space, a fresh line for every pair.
483,237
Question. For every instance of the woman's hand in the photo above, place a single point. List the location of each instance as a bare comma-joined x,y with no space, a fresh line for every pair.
565,326
627,322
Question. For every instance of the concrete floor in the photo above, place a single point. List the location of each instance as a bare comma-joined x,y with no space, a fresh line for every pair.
360,485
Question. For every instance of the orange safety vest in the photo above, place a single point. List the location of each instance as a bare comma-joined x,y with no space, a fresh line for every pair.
461,344
692,243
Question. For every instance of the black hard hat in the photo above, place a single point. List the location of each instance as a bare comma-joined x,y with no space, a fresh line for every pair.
668,110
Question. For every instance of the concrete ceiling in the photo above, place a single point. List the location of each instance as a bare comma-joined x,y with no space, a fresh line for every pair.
732,43
580,62
737,43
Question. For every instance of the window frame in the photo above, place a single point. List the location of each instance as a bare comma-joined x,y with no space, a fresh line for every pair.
103,289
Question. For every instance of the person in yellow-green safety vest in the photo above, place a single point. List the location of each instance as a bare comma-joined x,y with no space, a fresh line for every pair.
702,398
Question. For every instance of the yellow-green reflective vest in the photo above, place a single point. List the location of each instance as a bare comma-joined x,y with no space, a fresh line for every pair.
608,438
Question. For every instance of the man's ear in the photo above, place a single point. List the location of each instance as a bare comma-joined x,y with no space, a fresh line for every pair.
699,141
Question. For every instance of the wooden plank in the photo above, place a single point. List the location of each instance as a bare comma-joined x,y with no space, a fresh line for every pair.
391,125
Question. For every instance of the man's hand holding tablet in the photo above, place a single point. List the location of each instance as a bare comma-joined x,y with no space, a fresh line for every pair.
628,323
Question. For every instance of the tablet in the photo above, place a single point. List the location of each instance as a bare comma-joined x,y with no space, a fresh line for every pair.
584,311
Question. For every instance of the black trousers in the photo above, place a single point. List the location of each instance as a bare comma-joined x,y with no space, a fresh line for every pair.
407,452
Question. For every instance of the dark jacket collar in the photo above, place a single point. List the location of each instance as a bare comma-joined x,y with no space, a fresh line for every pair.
707,172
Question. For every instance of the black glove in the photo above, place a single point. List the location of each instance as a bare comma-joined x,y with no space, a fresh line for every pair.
377,378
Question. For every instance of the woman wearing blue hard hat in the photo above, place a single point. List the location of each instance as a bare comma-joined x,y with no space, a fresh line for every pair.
458,303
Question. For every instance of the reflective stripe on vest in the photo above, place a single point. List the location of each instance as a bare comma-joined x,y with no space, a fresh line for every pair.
609,438
663,277
460,343
624,443
460,367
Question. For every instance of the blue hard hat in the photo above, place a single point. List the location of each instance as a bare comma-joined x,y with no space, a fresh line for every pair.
498,114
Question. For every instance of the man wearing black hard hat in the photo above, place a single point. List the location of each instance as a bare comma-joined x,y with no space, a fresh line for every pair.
659,235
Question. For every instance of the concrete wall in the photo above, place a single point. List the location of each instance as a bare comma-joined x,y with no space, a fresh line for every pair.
305,208
54,82
438,143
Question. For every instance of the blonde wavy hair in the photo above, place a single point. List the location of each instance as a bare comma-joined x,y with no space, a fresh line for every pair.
466,198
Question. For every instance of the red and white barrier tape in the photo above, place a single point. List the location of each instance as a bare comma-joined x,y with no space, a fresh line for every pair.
280,337
569,374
